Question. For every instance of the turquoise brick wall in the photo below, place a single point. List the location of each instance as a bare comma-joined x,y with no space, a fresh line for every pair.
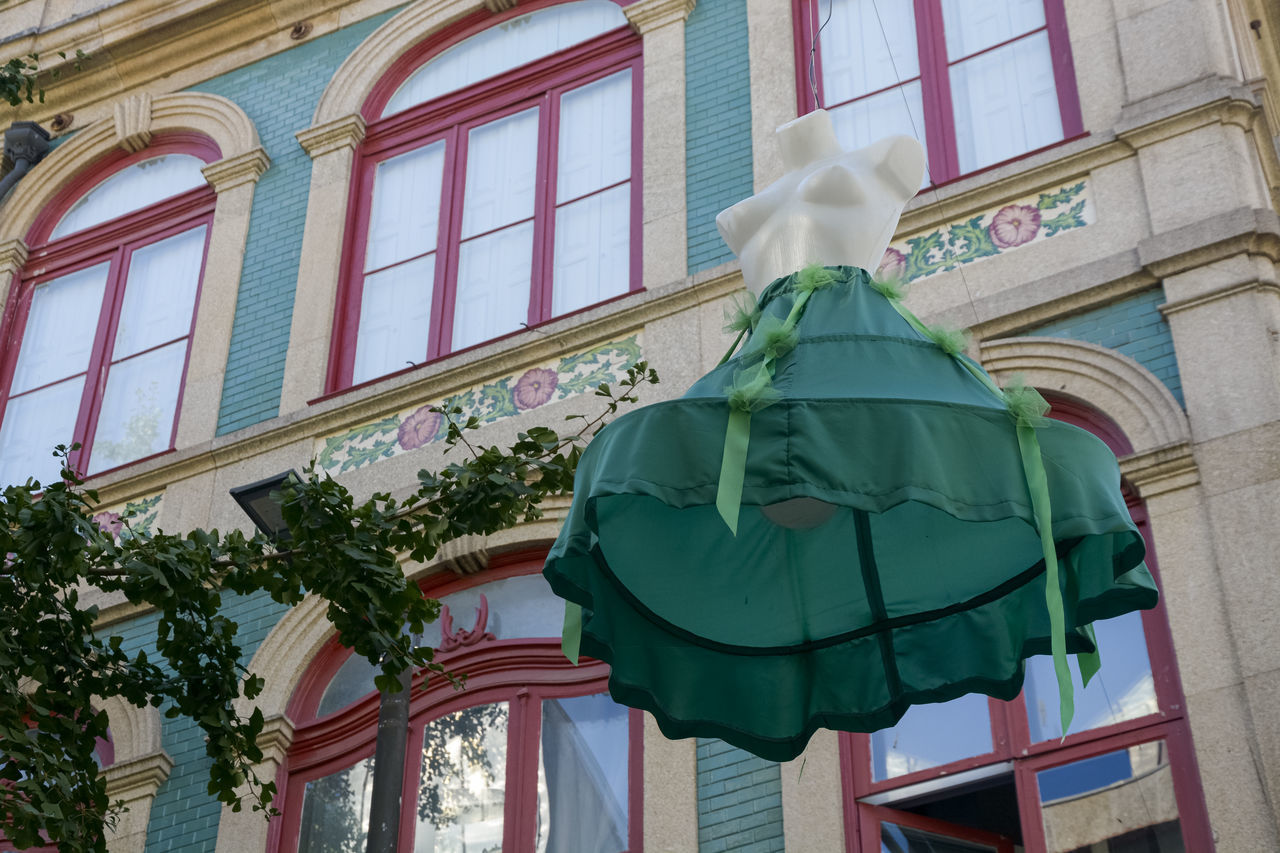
717,122
279,93
739,800
1133,326
184,816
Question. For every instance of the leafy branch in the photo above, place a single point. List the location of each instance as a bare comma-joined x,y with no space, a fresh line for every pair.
19,77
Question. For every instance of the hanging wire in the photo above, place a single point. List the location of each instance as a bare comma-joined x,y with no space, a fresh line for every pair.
915,130
813,49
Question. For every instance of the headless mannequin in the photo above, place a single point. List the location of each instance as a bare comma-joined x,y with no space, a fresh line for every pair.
832,207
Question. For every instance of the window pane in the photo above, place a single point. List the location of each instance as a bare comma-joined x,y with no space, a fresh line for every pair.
1006,103
593,250
518,607
395,318
134,188
138,407
60,329
582,776
353,680
508,45
974,25
405,214
1118,802
335,811
493,285
867,45
1122,690
33,425
160,295
501,168
595,137
904,839
898,110
462,795
932,735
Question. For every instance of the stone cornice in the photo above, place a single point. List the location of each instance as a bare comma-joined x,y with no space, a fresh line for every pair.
1210,101
1162,470
141,777
345,132
648,15
276,738
231,172
591,327
1244,230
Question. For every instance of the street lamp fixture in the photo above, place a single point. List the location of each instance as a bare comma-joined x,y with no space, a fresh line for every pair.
264,510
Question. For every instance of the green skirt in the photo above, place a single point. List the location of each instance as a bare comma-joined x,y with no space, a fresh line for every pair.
919,578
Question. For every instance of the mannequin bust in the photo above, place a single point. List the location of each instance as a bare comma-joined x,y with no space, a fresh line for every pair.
832,207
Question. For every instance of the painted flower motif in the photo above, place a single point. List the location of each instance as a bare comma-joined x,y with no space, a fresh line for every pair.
892,266
1013,225
109,522
419,428
535,387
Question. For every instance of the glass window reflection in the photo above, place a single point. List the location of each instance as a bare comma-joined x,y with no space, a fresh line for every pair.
932,735
462,795
582,776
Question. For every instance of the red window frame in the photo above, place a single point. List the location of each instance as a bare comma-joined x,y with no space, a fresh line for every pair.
935,80
449,117
1010,732
111,242
521,672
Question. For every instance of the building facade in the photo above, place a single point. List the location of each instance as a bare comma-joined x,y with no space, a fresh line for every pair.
272,232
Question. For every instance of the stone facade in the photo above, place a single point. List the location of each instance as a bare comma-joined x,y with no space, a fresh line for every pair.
1155,300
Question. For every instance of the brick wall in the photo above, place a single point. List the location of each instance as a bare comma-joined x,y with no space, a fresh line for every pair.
718,123
279,93
739,800
1133,326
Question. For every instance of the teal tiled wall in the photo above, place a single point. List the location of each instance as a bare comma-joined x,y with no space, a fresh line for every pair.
739,800
279,94
184,816
717,123
1133,326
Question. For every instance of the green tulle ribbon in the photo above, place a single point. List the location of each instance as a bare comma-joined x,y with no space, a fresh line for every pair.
571,633
752,388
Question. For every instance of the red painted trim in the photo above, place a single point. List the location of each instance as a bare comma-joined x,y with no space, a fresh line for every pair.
1064,71
874,815
197,145
993,47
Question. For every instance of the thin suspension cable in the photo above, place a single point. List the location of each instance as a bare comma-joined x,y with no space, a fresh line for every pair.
813,48
907,106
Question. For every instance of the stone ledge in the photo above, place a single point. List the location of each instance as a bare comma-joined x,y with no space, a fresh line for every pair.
141,777
1162,470
233,171
322,139
648,15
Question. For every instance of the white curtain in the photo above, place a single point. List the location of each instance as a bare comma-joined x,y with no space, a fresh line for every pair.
133,188
583,776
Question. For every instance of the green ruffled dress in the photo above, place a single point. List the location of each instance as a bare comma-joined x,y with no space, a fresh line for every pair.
924,579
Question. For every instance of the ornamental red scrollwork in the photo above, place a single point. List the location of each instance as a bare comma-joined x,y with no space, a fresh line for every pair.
451,639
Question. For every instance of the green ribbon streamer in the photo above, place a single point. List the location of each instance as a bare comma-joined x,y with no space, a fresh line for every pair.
1020,405
733,467
571,634
1038,484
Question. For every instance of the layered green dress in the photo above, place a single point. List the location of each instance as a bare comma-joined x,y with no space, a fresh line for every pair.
921,575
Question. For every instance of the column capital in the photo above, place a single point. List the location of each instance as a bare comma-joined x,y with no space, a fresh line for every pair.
233,171
647,15
345,132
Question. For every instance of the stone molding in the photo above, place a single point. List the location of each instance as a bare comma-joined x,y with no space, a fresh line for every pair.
1253,231
1169,308
367,64
138,778
345,132
1162,470
209,115
1115,384
648,15
135,732
133,122
231,172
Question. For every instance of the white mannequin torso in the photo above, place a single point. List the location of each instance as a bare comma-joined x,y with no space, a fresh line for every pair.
832,207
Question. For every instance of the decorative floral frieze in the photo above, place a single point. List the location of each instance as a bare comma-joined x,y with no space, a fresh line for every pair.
993,232
136,517
511,395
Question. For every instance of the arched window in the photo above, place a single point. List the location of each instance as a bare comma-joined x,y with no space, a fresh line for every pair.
497,187
976,83
531,757
980,774
97,329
